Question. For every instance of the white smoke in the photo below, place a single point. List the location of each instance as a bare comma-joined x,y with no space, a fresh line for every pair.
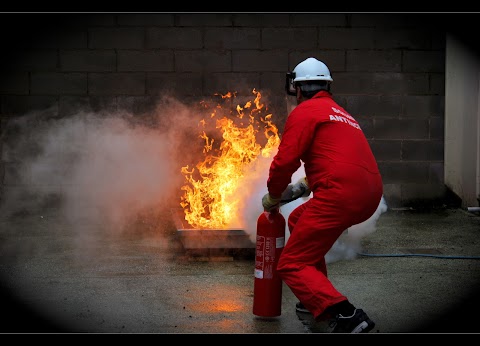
350,242
347,246
109,169
101,169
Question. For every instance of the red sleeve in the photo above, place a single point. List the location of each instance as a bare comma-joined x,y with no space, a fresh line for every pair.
297,136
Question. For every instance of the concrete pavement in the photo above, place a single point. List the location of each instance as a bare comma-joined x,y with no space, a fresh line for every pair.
418,272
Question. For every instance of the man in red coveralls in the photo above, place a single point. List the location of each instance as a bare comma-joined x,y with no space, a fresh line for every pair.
343,175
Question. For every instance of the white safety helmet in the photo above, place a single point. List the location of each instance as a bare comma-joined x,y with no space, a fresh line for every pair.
308,70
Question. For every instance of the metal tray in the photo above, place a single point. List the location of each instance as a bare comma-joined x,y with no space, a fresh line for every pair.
205,238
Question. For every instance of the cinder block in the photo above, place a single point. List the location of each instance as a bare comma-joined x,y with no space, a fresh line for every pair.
21,105
374,61
136,104
141,60
88,60
273,81
386,150
437,172
361,105
424,61
52,83
29,60
392,128
401,172
259,60
423,106
179,84
423,150
293,38
126,83
232,38
174,38
437,128
437,83
203,61
126,38
242,83
71,105
403,38
62,37
401,83
346,38
105,38
14,83
353,83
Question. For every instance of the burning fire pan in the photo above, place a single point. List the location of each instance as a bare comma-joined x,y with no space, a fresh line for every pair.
203,238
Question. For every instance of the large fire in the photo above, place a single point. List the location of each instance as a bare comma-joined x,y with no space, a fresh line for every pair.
209,199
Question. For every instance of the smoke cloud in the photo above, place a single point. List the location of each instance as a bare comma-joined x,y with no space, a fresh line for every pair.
109,169
346,247
104,170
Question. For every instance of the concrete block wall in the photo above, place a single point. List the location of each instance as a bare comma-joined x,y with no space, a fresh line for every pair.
388,70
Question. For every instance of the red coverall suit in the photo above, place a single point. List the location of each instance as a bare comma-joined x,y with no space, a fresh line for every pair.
347,187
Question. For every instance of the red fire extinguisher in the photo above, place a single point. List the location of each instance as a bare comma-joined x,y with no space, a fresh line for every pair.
267,289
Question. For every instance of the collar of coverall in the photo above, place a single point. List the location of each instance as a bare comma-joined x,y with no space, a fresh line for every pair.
322,93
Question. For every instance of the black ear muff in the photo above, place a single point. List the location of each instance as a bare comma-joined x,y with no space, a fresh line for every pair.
290,84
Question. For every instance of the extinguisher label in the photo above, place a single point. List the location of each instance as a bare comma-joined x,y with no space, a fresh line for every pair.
280,242
258,274
265,256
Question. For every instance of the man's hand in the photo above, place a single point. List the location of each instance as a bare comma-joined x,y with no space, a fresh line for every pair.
301,189
287,195
270,203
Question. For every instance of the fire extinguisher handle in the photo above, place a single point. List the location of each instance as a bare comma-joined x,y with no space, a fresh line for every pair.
270,215
272,212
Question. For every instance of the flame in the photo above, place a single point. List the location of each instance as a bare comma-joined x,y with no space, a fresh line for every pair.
209,193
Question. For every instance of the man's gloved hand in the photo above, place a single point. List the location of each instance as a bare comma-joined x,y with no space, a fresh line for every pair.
270,203
301,188
287,195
